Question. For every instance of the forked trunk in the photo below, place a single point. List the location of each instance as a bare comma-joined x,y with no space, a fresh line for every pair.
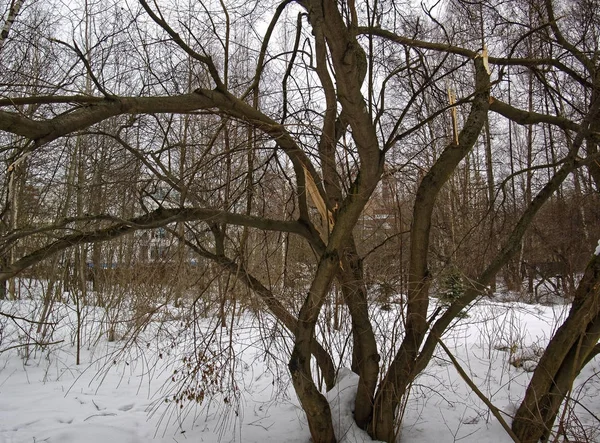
314,404
402,370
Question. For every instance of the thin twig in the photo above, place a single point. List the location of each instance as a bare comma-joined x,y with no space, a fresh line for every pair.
493,409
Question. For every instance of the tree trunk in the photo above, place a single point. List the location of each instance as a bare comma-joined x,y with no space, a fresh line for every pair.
400,373
365,358
562,360
314,404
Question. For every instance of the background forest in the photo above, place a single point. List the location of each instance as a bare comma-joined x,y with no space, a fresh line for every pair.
309,162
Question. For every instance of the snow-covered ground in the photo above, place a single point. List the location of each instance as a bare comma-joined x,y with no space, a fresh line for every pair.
130,390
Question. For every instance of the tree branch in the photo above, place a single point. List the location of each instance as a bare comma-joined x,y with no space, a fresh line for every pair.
154,219
493,409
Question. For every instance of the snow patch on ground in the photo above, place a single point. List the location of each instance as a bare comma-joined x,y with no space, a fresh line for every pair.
116,396
341,400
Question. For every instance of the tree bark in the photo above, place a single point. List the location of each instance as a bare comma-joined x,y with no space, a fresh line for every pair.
365,358
399,376
562,360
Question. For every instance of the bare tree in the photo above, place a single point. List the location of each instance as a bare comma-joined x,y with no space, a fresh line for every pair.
238,142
